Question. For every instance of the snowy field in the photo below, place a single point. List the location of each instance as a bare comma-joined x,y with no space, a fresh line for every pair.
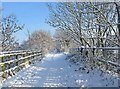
55,71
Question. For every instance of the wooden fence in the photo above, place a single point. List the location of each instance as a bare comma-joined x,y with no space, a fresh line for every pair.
10,52
12,62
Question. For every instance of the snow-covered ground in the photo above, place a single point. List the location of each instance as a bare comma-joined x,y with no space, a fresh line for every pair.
55,71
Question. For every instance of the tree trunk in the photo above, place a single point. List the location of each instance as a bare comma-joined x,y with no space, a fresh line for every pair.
118,13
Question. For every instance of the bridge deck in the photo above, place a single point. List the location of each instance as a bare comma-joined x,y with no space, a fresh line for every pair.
55,71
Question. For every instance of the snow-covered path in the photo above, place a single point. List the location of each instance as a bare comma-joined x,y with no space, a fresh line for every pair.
53,71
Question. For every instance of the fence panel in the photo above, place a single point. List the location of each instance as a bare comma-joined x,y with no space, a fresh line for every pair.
12,62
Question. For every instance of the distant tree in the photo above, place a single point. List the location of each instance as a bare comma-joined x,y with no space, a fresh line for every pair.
25,45
41,41
64,39
9,26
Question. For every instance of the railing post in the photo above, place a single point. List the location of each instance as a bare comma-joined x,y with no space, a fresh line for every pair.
3,66
16,57
23,59
8,63
81,50
93,51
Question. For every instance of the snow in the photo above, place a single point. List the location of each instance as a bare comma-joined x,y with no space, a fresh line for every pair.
0,85
82,46
55,71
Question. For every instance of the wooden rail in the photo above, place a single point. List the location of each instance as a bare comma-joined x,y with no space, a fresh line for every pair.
106,48
19,51
12,62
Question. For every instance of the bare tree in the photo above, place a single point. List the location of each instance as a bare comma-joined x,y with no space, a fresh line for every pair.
41,41
65,40
117,4
9,26
67,16
89,24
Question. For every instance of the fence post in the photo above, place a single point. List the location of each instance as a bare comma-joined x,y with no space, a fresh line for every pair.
81,50
9,63
93,51
16,57
3,67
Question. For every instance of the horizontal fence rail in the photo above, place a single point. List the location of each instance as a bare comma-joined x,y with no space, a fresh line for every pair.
107,48
101,54
9,52
12,62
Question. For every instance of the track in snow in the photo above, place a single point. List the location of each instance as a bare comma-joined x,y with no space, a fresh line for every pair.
53,71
